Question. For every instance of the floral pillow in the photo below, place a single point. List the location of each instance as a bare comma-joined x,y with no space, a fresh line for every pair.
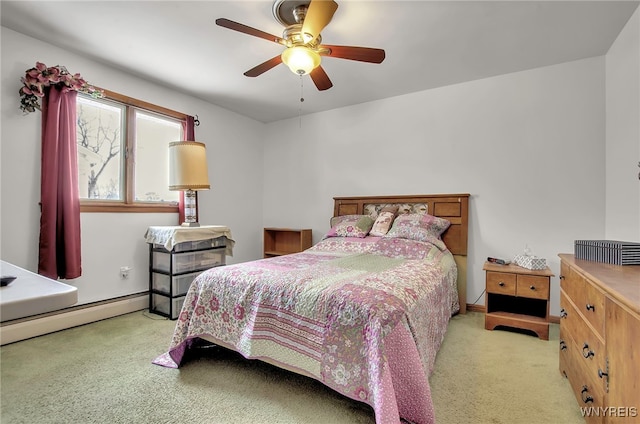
335,220
350,226
418,227
384,220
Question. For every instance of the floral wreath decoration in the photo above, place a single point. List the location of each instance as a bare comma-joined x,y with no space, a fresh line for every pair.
37,79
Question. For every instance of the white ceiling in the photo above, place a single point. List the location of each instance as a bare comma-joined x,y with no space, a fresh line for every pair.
428,44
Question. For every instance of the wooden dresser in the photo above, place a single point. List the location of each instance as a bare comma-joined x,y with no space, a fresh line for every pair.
600,338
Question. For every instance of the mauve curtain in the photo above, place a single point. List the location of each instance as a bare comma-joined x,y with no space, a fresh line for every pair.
59,248
189,135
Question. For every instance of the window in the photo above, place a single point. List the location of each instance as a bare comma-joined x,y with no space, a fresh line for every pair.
123,154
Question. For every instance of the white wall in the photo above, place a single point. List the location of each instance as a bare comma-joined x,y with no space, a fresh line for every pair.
623,134
529,147
109,241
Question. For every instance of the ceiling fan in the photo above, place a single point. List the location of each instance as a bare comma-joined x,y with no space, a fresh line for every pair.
303,21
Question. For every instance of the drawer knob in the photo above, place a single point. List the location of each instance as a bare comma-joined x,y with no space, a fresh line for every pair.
501,284
584,394
602,374
563,345
591,307
563,313
562,277
532,287
586,352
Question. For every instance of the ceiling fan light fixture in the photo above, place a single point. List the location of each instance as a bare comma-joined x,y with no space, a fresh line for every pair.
301,60
304,20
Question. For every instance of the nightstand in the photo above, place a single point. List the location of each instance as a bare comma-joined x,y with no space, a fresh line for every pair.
179,254
517,297
283,241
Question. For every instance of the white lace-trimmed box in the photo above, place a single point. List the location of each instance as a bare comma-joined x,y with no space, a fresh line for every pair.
530,262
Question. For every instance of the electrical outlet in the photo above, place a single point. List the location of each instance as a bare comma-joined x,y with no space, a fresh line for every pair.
124,272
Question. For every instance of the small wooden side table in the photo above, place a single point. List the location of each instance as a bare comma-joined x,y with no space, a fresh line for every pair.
517,297
283,241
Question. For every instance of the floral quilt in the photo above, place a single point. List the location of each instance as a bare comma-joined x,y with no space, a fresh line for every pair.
365,316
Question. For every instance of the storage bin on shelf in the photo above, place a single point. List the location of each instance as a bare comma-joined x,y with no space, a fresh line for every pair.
172,272
195,245
167,306
187,261
177,284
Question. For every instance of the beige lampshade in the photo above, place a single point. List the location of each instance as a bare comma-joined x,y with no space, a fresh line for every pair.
188,166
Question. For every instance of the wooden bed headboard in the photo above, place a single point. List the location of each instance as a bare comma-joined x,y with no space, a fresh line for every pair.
453,207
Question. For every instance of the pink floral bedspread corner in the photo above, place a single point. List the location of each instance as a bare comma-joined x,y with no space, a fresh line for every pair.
365,317
165,360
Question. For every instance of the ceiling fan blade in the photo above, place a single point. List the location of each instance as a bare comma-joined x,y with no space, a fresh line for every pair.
321,79
226,23
362,54
319,14
264,67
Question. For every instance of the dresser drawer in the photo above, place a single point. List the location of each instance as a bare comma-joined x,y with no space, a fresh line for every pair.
588,299
588,393
533,286
587,346
501,283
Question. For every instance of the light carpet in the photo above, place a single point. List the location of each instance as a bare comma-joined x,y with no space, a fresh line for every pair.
102,373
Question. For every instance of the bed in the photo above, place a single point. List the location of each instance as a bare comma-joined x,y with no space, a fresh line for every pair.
363,311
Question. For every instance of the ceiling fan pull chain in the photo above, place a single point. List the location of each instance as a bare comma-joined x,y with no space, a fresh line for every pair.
301,100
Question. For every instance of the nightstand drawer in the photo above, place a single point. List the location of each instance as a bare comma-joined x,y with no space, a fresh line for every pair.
532,286
501,283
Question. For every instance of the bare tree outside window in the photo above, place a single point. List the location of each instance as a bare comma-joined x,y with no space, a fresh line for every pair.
100,143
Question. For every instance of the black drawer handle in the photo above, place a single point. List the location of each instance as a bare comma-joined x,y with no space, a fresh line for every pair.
602,374
501,284
591,307
532,287
563,345
586,352
563,313
587,398
562,277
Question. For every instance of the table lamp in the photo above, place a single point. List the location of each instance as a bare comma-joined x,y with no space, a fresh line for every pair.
188,172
